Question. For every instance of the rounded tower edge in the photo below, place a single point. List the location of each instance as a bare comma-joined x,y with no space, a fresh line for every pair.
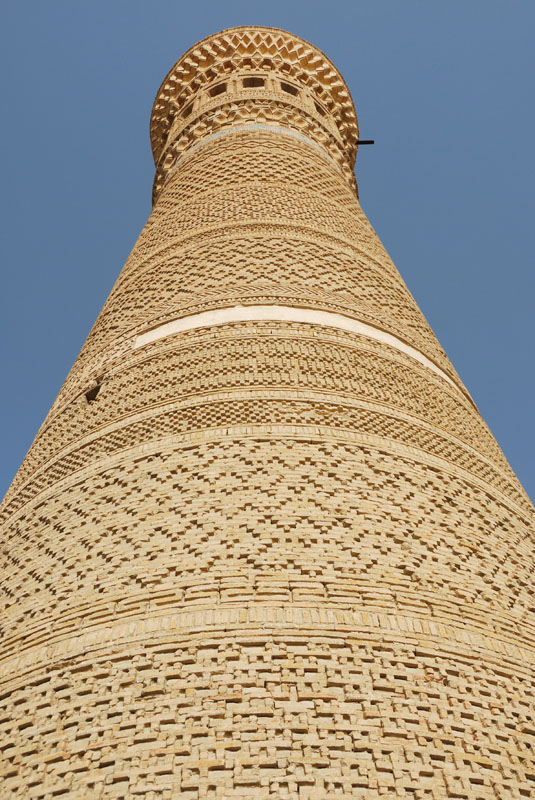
261,49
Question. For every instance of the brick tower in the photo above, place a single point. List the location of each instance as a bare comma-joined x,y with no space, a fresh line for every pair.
263,545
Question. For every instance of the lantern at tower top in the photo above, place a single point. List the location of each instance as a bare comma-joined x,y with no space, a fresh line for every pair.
252,75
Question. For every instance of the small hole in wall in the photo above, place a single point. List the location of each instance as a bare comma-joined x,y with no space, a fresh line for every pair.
92,393
319,109
187,111
253,83
219,89
287,87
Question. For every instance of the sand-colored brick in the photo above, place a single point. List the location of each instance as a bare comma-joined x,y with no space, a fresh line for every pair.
264,558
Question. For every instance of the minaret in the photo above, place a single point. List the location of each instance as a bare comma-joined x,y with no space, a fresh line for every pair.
263,545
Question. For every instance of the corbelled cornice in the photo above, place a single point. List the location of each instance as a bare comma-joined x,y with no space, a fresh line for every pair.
268,50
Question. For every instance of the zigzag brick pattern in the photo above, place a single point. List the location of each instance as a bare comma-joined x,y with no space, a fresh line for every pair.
264,559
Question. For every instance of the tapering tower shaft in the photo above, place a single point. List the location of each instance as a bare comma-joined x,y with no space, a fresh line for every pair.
264,545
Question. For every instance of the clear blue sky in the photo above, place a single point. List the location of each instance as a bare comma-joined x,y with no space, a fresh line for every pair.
446,90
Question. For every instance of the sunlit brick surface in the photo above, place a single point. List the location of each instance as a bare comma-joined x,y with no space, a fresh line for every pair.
264,559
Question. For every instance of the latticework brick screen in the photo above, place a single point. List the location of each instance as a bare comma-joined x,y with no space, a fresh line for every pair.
265,558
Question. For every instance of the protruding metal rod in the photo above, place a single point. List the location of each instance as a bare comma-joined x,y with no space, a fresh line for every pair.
365,141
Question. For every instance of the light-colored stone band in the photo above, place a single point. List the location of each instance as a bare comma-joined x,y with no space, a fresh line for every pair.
254,126
274,313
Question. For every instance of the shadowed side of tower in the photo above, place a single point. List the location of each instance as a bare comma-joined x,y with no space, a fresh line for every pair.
264,545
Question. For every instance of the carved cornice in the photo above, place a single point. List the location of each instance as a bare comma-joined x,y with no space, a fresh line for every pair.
255,50
239,114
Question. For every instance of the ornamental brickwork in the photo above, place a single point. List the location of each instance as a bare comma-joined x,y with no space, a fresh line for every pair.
263,545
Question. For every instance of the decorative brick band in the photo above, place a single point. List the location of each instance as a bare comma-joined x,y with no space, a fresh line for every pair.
275,313
259,127
265,620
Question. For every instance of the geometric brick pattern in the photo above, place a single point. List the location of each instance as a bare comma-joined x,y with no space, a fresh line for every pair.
264,559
